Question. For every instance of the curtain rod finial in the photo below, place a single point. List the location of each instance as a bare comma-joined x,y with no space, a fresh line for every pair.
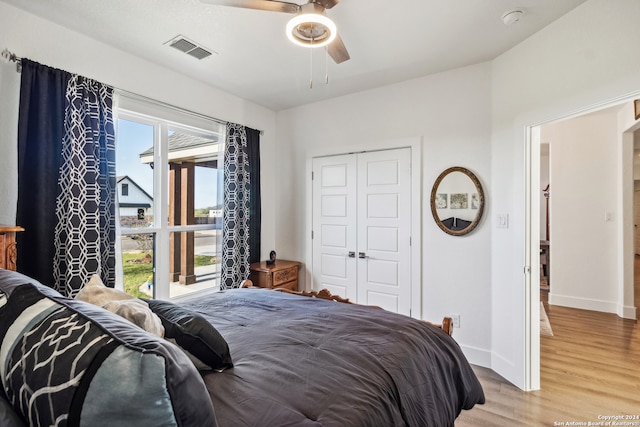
12,57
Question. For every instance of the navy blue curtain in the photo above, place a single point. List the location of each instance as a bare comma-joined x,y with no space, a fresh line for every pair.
40,132
66,179
255,203
241,217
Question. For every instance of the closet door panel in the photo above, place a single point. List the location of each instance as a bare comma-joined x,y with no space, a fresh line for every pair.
384,229
334,225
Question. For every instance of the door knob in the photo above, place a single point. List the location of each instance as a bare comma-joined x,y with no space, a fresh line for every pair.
362,255
352,254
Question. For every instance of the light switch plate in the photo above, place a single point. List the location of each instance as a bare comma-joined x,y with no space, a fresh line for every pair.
502,220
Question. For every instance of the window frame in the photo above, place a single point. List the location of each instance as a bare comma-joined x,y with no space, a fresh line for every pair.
163,119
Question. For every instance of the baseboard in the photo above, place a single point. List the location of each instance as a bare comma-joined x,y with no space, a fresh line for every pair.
507,370
583,303
626,312
477,356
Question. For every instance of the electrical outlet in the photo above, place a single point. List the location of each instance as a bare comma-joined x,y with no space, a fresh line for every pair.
456,320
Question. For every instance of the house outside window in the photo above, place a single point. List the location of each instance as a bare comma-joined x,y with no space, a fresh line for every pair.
125,190
170,243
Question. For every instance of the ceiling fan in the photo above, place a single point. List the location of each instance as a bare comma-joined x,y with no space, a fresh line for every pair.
309,28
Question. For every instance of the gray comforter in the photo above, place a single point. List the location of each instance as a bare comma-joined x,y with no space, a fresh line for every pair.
302,361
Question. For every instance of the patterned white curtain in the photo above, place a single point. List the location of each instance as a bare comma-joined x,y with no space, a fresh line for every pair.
235,215
85,207
241,217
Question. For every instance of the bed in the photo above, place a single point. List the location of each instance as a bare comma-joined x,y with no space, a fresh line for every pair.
294,361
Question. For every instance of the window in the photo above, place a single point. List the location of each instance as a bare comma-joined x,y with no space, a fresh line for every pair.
125,189
171,223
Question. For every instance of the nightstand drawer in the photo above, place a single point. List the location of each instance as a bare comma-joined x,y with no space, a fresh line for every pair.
284,276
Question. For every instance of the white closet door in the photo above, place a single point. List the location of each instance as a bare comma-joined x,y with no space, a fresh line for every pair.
384,224
362,227
334,225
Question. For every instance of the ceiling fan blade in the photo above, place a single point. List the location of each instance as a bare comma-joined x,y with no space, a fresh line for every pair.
269,5
337,51
327,4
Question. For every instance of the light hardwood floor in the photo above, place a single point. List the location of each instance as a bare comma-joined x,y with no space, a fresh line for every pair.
589,368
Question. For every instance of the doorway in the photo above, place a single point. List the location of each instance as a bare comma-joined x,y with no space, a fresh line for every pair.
362,227
611,209
587,169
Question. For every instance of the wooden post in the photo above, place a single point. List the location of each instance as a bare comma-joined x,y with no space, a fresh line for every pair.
187,215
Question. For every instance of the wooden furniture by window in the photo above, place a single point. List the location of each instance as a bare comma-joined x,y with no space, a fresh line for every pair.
281,274
545,259
8,246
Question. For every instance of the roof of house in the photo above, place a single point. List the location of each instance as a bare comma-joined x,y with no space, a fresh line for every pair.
179,141
134,205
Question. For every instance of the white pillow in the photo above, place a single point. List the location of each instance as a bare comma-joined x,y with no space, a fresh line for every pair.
133,309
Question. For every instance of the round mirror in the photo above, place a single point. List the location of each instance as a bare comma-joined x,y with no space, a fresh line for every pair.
457,201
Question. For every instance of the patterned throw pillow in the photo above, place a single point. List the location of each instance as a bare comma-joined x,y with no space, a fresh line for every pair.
204,345
66,362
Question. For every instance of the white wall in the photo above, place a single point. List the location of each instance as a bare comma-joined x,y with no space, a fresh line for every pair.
31,37
9,99
584,170
450,112
580,61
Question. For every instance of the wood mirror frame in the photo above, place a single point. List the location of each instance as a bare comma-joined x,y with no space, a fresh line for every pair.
434,210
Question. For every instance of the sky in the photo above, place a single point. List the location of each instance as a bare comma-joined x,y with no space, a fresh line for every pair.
133,138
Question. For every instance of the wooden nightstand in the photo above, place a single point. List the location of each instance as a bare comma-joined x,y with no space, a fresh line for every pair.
281,274
8,249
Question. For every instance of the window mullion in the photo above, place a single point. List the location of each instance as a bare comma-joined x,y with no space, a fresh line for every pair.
161,191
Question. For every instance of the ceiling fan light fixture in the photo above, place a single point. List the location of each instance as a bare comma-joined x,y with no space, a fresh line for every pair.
311,30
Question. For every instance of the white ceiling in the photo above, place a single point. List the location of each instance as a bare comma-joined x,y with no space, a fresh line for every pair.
389,41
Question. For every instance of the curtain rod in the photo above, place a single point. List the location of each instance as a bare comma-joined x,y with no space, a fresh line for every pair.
167,105
12,57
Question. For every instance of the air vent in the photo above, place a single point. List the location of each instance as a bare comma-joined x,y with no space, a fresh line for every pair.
199,53
189,47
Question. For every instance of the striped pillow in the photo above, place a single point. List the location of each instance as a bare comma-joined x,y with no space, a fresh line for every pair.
66,362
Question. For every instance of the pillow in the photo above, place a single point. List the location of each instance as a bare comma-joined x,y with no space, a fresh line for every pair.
204,345
96,293
105,372
8,417
133,309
